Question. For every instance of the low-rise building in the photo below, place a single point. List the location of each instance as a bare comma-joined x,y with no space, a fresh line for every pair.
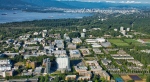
59,44
75,53
59,52
97,51
72,46
76,40
85,52
105,61
30,64
94,66
96,46
70,77
38,70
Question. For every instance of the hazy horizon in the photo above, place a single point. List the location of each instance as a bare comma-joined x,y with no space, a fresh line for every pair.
113,1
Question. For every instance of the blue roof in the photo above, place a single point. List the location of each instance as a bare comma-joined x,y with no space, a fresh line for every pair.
119,80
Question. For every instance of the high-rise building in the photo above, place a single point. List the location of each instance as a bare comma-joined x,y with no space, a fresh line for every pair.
63,62
47,63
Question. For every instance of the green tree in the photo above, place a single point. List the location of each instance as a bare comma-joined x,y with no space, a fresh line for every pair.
148,78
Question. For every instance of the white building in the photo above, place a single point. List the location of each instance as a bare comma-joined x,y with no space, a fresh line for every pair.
63,63
121,29
75,53
84,30
128,29
76,40
5,65
35,33
83,35
100,40
115,29
4,62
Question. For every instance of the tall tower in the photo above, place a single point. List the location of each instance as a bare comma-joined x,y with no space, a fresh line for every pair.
48,65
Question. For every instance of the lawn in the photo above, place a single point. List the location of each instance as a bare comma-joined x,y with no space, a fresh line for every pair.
118,42
148,44
136,43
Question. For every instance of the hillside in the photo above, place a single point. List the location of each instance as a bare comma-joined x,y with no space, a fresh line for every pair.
9,4
48,3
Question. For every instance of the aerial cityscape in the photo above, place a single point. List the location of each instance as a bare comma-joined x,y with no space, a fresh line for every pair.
74,41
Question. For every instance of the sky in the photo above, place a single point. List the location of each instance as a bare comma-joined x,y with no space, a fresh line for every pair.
113,1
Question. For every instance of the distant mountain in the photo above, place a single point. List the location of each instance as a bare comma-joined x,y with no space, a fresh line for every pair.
9,4
48,3
31,4
78,4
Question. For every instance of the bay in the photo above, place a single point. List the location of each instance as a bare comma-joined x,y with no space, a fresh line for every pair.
19,16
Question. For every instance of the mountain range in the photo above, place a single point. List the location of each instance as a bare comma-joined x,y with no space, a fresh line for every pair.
4,4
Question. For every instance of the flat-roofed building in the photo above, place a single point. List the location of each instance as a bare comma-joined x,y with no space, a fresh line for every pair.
95,67
85,52
75,53
91,41
106,75
80,68
76,40
96,46
97,51
70,77
63,63
72,46
100,40
59,44
59,52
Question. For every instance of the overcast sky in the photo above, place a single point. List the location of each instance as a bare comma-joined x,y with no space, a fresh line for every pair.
114,1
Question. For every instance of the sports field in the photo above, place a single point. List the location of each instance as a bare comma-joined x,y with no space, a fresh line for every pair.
118,42
135,42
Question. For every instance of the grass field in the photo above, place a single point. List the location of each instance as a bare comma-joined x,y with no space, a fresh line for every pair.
133,42
118,42
148,44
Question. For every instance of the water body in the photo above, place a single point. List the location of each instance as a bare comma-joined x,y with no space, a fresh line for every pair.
18,16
